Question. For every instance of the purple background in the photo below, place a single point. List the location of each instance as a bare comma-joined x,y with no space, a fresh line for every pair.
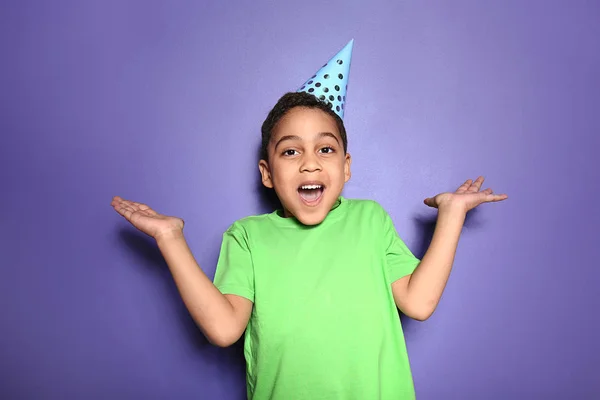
162,102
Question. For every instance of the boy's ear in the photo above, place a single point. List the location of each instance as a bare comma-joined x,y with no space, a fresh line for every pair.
265,173
347,163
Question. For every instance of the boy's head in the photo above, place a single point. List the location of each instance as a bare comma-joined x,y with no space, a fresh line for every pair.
304,156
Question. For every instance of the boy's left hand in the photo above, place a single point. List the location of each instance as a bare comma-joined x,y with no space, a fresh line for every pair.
466,197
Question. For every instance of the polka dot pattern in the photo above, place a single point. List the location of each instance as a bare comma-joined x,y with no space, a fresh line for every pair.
330,83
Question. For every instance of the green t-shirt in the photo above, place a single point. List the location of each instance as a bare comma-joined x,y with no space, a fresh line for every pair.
324,324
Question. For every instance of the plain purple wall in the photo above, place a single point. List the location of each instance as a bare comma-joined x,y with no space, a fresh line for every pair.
162,102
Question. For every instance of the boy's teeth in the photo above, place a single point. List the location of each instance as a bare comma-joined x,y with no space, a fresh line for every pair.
308,187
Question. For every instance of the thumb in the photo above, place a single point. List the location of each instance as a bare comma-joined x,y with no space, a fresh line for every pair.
429,201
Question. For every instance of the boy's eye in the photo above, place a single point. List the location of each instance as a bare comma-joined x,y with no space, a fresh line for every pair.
289,152
327,150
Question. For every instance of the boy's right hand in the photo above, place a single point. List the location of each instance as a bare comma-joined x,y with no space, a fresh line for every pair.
222,318
147,220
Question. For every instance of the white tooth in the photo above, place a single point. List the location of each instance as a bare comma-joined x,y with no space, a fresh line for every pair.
311,186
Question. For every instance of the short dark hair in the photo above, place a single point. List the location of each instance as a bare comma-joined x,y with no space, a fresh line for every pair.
286,103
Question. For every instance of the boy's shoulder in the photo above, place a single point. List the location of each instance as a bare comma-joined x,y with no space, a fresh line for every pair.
365,205
249,221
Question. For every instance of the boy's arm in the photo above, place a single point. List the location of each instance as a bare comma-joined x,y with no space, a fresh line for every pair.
417,295
222,318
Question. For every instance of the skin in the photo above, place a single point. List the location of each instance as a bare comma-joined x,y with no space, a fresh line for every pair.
305,146
221,318
417,295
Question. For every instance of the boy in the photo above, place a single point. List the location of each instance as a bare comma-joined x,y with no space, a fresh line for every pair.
316,285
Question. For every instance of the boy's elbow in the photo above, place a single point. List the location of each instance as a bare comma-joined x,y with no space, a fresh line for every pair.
221,340
223,337
422,313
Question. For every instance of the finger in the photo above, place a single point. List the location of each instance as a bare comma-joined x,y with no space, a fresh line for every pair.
130,203
147,213
116,200
430,201
133,205
463,188
127,208
475,186
492,198
122,202
123,211
119,199
127,211
145,208
139,206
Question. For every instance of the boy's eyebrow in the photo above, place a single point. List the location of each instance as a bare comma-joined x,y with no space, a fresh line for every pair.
328,134
296,137
287,137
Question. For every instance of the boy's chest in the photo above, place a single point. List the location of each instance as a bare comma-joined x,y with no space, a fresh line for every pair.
313,276
303,260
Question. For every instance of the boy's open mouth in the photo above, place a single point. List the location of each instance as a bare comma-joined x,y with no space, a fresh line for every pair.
311,193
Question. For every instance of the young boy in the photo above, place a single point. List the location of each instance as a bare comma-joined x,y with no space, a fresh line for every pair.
314,286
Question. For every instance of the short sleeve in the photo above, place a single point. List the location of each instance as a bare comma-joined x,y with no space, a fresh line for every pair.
399,259
235,270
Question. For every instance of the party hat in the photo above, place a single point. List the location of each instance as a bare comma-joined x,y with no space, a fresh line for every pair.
330,83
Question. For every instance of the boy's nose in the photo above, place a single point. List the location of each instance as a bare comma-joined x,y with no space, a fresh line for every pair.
310,163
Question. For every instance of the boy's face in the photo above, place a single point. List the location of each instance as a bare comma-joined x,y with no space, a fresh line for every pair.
307,166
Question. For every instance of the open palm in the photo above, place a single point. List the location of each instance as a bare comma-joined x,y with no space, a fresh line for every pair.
146,219
467,196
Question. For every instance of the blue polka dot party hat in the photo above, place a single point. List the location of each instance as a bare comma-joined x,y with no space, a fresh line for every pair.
330,83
